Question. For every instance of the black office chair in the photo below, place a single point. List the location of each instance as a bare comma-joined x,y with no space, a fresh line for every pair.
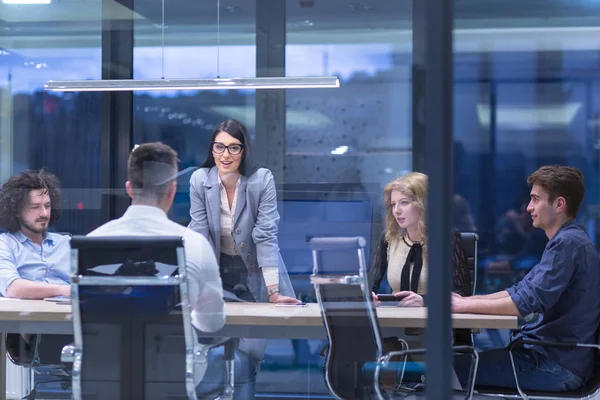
463,338
589,390
41,354
126,293
350,319
468,241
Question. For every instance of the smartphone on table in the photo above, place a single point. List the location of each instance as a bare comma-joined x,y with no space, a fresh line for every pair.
291,304
389,297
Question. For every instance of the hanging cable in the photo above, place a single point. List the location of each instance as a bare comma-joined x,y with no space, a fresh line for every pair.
162,74
218,36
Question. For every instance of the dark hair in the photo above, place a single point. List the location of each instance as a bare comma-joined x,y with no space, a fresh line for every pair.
15,195
238,131
150,169
561,181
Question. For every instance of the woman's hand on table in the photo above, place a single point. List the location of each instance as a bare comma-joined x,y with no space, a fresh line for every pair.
375,299
279,298
410,299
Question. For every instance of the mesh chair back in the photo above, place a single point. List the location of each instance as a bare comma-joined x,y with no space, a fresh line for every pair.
348,313
119,284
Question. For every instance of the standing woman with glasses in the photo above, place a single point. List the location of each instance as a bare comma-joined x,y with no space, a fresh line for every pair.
234,205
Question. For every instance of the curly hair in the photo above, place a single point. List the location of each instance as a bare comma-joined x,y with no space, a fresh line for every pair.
14,195
413,185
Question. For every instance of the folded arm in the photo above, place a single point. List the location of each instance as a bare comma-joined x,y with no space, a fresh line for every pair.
12,285
481,305
493,296
24,289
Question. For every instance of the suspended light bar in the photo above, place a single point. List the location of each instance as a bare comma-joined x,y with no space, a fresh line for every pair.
306,82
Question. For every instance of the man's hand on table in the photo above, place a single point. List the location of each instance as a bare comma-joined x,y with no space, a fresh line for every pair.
458,303
65,290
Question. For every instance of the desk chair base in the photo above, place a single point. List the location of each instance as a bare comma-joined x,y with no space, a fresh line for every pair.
229,391
230,345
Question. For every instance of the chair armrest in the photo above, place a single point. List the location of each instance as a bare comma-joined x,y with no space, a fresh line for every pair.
213,342
463,349
230,344
519,342
455,349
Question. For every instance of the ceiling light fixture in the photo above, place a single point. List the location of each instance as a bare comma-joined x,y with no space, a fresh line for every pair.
530,117
218,83
340,150
308,82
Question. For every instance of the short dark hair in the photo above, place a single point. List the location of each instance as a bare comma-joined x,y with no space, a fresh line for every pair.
238,131
561,181
150,169
14,195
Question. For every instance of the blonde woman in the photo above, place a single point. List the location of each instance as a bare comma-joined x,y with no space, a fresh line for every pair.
401,256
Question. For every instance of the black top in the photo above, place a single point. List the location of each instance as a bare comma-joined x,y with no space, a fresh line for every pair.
461,278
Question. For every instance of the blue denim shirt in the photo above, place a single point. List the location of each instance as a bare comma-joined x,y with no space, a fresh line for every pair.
21,258
564,290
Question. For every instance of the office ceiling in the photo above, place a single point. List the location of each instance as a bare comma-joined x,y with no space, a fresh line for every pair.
77,23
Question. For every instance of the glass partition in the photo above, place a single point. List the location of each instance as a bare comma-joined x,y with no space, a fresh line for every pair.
331,151
61,132
525,96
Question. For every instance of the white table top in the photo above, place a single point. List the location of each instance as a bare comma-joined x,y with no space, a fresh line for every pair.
265,314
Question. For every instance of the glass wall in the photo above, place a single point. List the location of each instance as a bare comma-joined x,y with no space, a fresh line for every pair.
525,96
60,132
331,150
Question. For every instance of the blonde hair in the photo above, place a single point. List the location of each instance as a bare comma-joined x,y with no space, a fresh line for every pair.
413,185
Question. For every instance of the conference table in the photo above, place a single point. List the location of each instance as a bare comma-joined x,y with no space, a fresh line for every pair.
258,320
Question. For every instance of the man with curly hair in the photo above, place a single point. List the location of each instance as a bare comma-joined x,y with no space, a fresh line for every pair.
34,263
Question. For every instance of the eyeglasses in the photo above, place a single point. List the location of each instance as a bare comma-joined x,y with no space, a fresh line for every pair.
233,149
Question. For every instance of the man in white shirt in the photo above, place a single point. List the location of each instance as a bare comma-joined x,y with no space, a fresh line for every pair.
152,173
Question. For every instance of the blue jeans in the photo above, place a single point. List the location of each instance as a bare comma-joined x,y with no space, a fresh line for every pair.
534,371
245,370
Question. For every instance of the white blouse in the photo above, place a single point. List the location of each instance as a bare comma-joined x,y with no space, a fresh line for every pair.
397,254
270,273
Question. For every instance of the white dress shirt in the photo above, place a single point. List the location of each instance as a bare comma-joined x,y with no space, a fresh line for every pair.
204,280
270,273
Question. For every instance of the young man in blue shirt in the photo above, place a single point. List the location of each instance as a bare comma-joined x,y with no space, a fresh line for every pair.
562,290
34,263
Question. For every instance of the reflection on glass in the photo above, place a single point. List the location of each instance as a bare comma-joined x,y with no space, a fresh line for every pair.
331,150
58,131
525,96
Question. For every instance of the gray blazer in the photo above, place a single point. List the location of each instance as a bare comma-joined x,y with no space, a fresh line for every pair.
254,224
